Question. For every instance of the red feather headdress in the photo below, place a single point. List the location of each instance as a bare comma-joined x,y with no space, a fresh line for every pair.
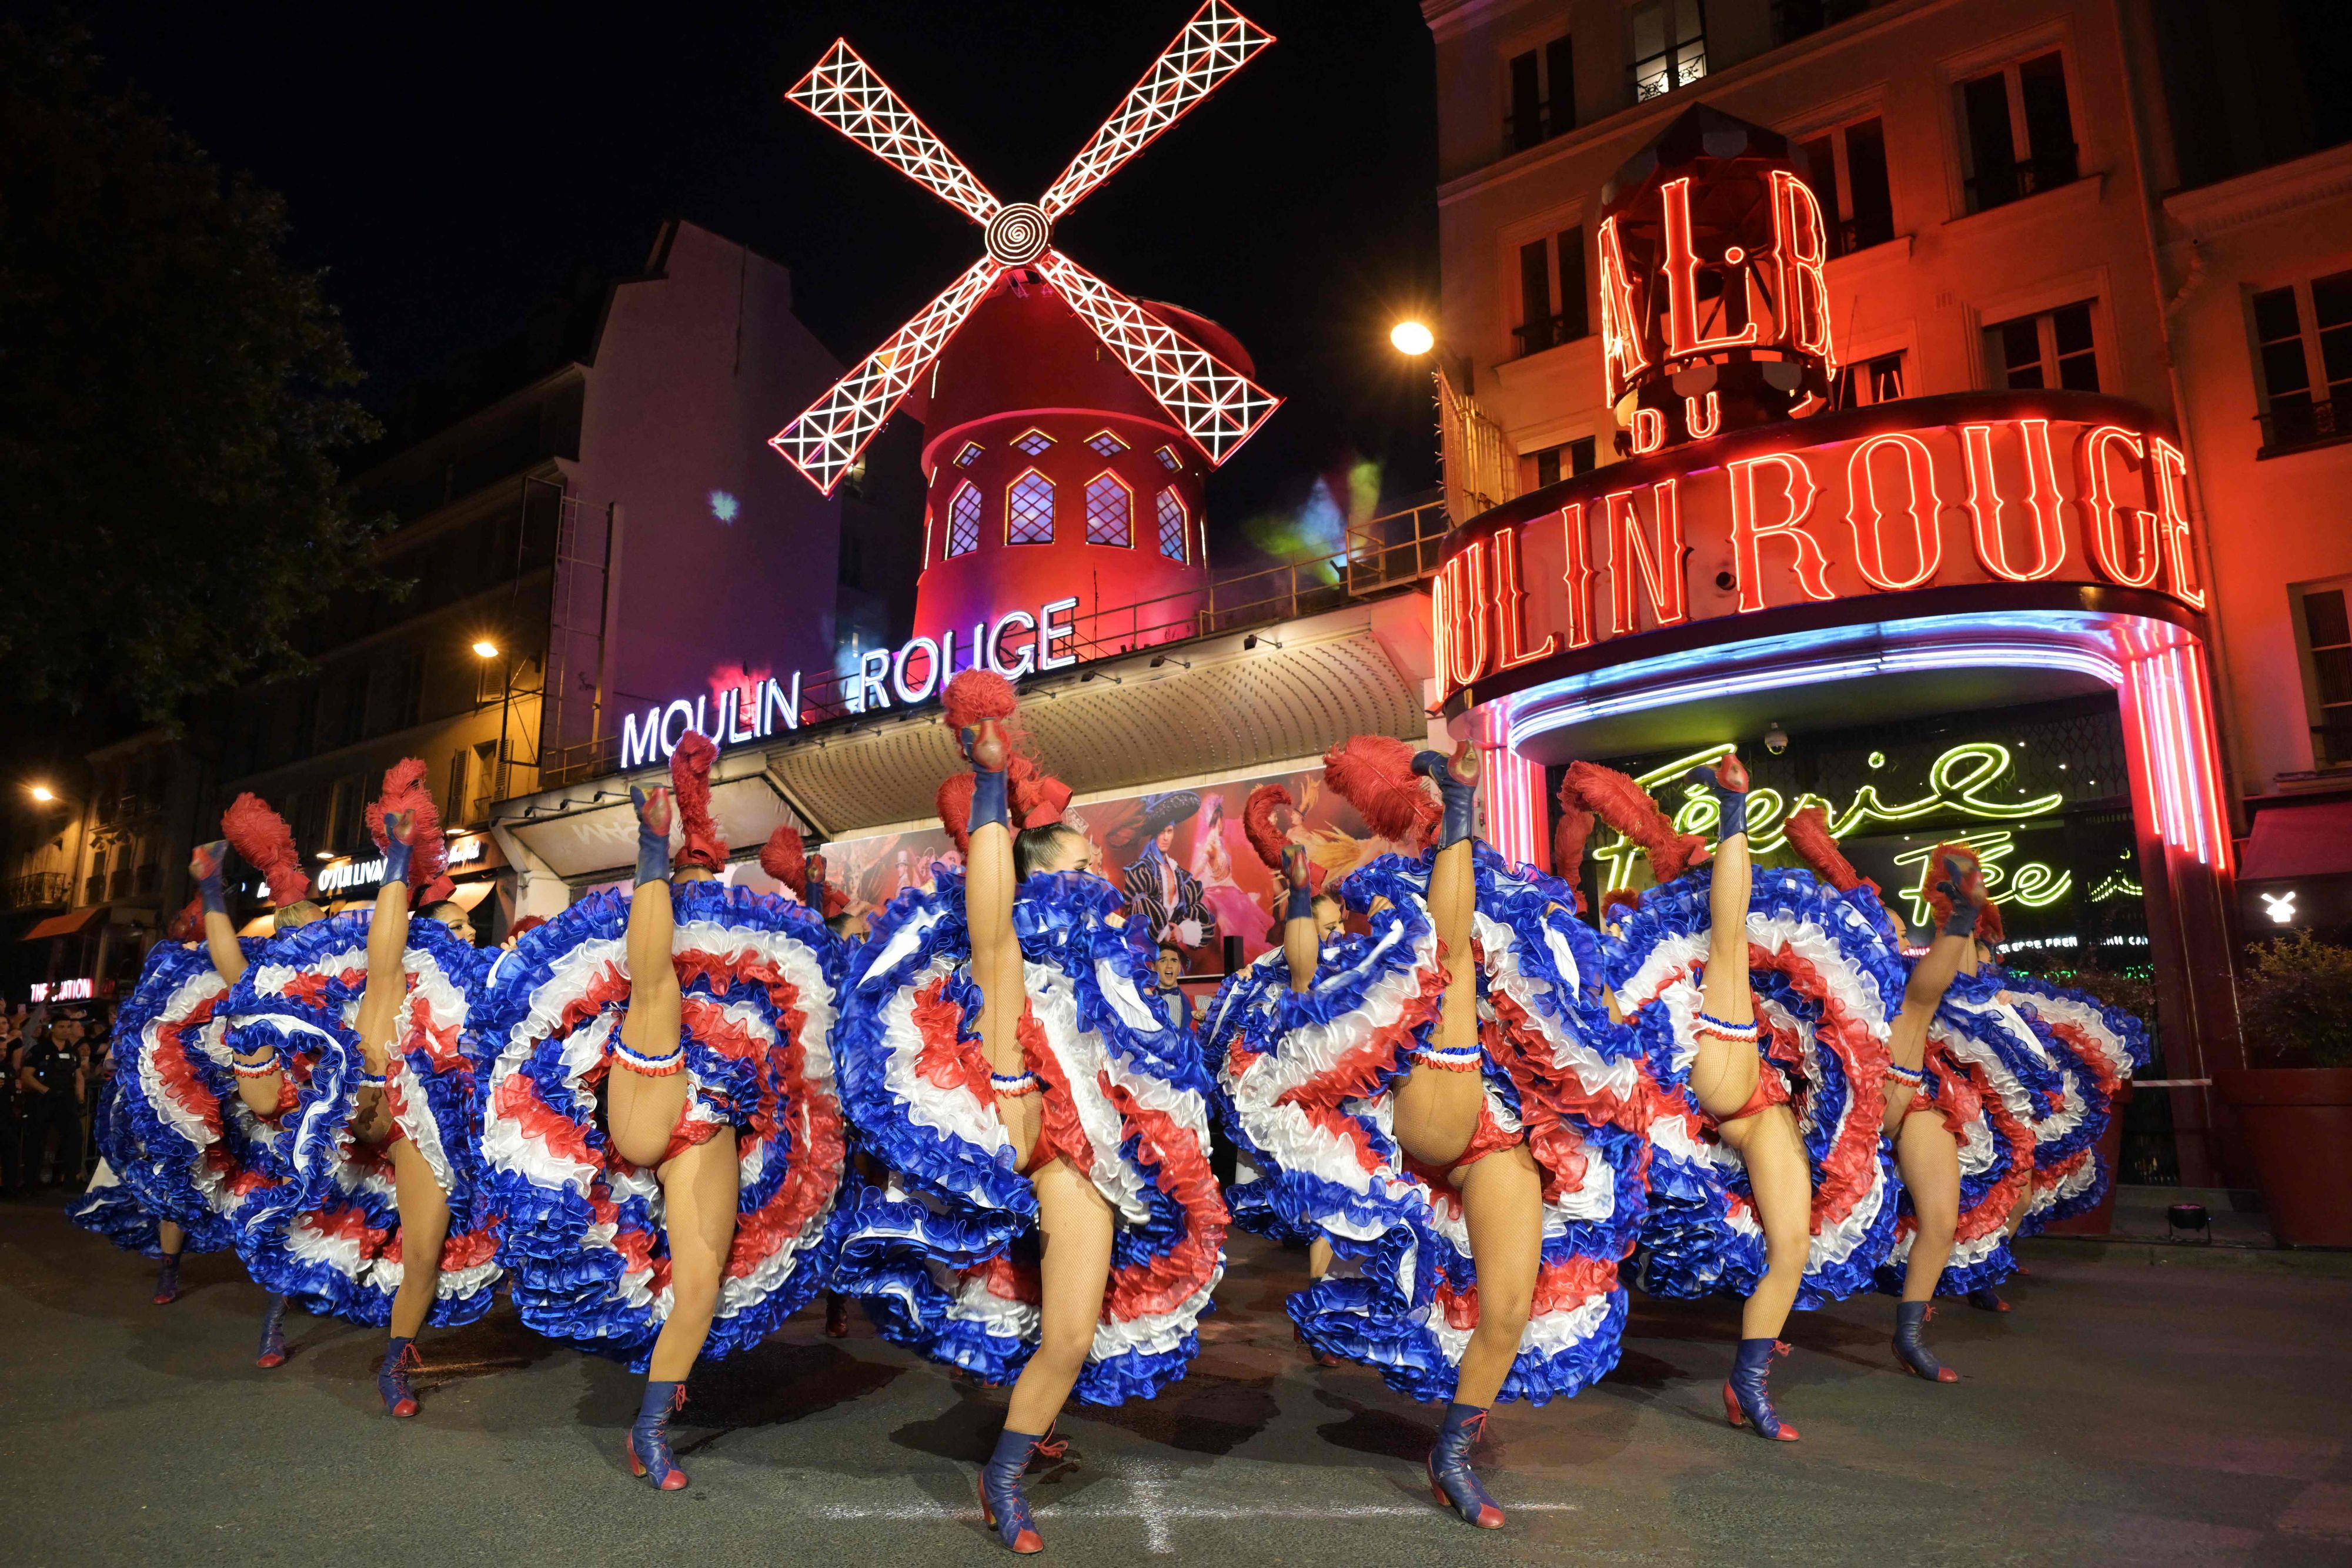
1809,835
1625,806
689,777
265,842
785,858
1374,774
1618,898
1257,822
1568,839
405,791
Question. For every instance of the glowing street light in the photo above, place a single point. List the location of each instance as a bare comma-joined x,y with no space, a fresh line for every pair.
485,649
43,793
1412,338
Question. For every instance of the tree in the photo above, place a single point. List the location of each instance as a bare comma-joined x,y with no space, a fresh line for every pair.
171,392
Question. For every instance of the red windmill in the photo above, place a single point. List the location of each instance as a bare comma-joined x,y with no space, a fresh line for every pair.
1043,458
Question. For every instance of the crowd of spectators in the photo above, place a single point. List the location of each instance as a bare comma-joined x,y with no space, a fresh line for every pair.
57,1060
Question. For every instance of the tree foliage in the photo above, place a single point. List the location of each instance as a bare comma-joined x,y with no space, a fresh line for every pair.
171,392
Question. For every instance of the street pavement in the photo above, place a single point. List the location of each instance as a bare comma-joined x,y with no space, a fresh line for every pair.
2142,1404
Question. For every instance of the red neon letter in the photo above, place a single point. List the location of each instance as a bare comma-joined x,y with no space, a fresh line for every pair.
1458,612
1683,341
1511,607
1865,518
1649,430
2107,514
1658,558
1985,506
2172,489
1621,357
1702,416
1800,241
1576,574
1748,535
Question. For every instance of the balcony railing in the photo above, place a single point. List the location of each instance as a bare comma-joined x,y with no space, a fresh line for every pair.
36,890
1548,333
1381,553
2294,424
1997,187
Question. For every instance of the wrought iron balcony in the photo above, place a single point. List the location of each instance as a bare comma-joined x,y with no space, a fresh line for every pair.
2294,424
1997,187
36,890
1547,332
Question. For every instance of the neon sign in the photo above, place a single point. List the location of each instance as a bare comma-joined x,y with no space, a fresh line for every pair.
1961,781
346,875
1016,644
1877,507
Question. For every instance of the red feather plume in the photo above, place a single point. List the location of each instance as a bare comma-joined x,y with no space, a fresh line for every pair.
265,842
527,925
1809,835
1374,774
405,791
785,858
953,803
975,695
1988,927
1618,898
689,777
436,891
1625,806
1568,840
1257,822
1035,798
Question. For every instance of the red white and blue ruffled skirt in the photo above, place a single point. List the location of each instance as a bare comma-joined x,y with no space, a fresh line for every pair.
325,1227
584,1235
2095,1049
943,1249
1989,1076
1825,982
1309,1077
1243,1010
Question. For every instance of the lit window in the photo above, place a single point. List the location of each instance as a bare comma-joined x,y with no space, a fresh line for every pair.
1110,512
1171,526
969,456
1669,46
2327,672
2027,102
1029,510
2052,349
1106,443
2303,337
1167,459
1034,442
963,520
1866,381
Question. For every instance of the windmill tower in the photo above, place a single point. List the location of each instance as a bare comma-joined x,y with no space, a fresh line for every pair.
1054,470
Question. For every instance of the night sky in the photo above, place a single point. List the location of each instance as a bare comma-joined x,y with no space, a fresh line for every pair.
448,165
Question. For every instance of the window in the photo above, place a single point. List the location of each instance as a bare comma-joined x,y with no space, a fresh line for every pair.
1555,463
1543,94
1167,459
2327,675
1794,20
1110,512
1541,326
1033,442
2303,337
1848,174
1669,46
2052,349
2020,132
1867,382
1171,525
1029,510
963,520
969,456
1106,444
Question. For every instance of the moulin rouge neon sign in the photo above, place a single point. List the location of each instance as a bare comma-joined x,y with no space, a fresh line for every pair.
2075,492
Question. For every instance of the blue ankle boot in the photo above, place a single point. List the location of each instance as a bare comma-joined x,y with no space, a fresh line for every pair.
399,1399
1461,800
167,1281
1728,782
649,1450
1452,1481
1909,1316
272,1352
1746,1400
1003,1505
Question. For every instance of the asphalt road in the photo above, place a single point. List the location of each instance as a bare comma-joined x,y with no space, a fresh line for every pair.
2123,1413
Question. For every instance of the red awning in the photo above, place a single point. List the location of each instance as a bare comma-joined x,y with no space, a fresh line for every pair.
2314,840
72,923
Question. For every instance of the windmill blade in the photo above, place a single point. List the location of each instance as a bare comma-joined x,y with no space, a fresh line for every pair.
1217,405
824,441
844,92
1217,42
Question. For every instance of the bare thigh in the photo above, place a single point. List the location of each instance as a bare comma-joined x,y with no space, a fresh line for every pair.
1437,1113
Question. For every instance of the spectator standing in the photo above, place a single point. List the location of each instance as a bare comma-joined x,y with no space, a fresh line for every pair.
11,1136
48,1085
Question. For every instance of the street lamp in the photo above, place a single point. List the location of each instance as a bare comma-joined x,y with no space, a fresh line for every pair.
1412,338
485,649
43,793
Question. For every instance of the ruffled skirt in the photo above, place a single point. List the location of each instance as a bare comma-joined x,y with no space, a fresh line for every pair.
2095,1049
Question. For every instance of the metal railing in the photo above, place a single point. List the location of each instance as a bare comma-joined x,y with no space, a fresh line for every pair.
36,890
1998,187
2292,424
1548,333
1380,553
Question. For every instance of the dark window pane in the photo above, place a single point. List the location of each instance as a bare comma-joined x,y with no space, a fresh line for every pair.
1887,378
2021,350
2284,374
2334,668
2025,378
1575,316
2071,328
2079,372
2048,126
1548,466
1993,152
1527,102
1580,455
2331,299
1866,184
2336,354
2325,620
2275,315
1559,66
1535,295
1820,173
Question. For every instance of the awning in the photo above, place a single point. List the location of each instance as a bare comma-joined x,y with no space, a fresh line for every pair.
72,923
2310,839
